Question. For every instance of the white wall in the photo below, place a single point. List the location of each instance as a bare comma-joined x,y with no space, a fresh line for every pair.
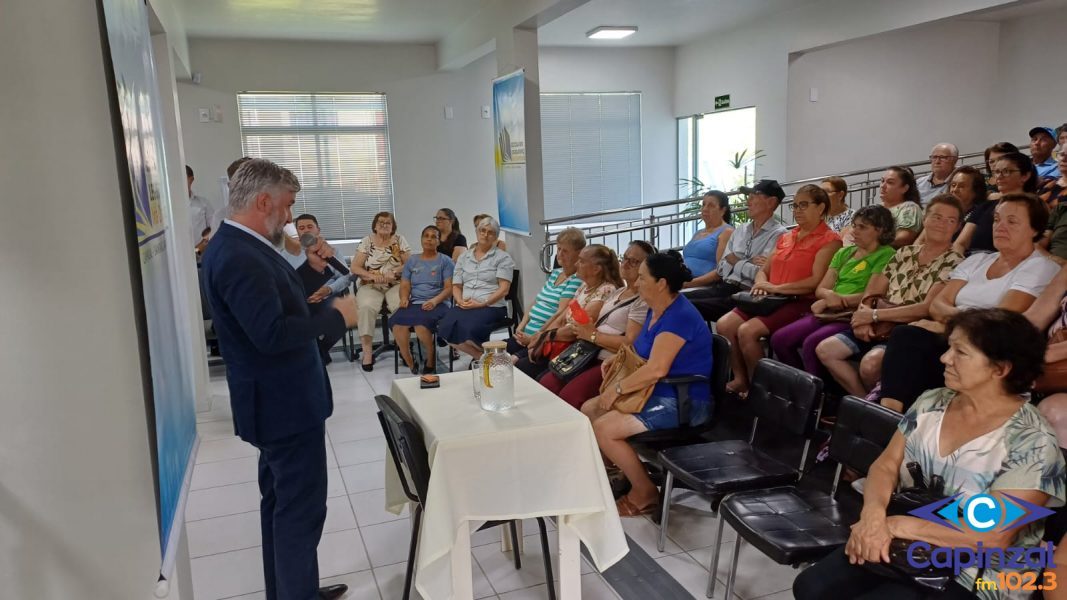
646,70
1030,65
77,500
751,63
890,97
436,162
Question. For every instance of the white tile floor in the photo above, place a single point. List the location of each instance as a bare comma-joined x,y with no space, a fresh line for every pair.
365,546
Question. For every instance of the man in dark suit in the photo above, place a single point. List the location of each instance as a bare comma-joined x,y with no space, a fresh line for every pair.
279,390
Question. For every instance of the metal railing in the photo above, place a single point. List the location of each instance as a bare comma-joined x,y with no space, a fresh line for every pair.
671,223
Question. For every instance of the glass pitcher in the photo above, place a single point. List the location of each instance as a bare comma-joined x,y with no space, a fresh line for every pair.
498,378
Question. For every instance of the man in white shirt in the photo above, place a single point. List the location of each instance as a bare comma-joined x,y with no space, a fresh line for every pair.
201,215
943,159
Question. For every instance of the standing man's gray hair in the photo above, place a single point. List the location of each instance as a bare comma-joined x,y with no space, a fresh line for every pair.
256,176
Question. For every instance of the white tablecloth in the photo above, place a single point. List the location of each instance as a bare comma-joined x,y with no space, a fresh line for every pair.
538,459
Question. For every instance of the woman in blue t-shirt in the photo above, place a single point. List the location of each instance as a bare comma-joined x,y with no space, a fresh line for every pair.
425,285
676,342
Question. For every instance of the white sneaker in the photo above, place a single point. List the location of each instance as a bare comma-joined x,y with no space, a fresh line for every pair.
858,484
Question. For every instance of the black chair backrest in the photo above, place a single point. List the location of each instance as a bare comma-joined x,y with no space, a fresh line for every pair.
720,367
785,395
406,446
514,298
862,432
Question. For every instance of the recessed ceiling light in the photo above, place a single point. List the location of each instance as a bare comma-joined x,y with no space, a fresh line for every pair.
608,32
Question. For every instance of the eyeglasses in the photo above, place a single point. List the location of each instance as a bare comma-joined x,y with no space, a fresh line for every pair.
802,206
441,219
1005,172
633,262
940,157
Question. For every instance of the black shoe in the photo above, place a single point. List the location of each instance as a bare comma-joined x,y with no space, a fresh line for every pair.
368,368
428,370
415,370
332,592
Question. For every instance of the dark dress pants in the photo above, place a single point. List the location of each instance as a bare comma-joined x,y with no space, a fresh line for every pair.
292,482
713,301
834,577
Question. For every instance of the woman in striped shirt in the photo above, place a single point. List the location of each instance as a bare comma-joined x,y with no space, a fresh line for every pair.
560,286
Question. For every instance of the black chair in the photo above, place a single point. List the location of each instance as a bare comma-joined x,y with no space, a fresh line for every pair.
794,526
509,322
780,394
408,450
649,443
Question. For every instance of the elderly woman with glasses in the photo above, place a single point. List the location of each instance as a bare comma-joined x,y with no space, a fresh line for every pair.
480,283
378,263
799,262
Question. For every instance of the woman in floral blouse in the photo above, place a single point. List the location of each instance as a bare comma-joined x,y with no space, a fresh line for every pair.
379,262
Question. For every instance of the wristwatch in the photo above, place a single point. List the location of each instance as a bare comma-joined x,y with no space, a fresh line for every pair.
874,315
592,338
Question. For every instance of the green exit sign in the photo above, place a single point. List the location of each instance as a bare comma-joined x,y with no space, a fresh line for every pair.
722,101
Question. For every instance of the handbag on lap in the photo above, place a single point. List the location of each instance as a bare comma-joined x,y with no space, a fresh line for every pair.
760,306
577,357
626,361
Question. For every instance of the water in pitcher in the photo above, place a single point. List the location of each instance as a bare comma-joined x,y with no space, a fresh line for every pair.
498,378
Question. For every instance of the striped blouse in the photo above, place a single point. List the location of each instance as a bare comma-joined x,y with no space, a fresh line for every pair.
547,302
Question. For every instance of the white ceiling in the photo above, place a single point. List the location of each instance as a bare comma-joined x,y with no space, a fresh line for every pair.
659,22
407,21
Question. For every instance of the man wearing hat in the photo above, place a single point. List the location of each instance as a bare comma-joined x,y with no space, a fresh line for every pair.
1042,141
746,252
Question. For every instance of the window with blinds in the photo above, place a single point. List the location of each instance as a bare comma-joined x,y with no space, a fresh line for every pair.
591,152
336,144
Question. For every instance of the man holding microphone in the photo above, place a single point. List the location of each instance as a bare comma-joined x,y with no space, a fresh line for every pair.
279,390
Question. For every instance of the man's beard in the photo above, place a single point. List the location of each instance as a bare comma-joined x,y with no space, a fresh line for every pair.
275,232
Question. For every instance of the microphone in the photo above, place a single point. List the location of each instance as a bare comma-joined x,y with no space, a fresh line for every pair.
308,240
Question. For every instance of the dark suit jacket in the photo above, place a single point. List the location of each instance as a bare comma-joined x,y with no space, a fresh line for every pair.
267,335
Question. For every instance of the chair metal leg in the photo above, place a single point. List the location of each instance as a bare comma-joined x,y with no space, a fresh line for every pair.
416,520
515,545
715,559
733,568
549,578
665,509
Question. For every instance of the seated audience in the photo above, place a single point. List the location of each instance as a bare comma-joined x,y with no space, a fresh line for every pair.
622,315
705,249
839,218
676,342
1054,193
799,262
992,155
980,436
943,159
901,196
335,282
598,270
499,243
840,290
745,253
1014,174
480,283
559,288
902,293
453,242
1042,141
378,263
425,287
1010,278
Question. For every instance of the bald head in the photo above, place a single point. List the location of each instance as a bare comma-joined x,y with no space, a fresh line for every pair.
943,159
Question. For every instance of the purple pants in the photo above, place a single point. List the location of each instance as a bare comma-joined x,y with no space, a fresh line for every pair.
795,343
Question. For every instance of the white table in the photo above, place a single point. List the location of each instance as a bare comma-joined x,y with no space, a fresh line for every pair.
538,459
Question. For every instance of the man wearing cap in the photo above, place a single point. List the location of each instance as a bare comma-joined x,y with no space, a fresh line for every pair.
745,253
943,159
1042,141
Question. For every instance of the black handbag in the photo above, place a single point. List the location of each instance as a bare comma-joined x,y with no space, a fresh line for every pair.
898,567
580,354
760,306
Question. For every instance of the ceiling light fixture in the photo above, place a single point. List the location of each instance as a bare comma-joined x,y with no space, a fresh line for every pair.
610,32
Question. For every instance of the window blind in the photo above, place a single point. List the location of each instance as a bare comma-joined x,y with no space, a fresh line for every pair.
336,144
591,152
